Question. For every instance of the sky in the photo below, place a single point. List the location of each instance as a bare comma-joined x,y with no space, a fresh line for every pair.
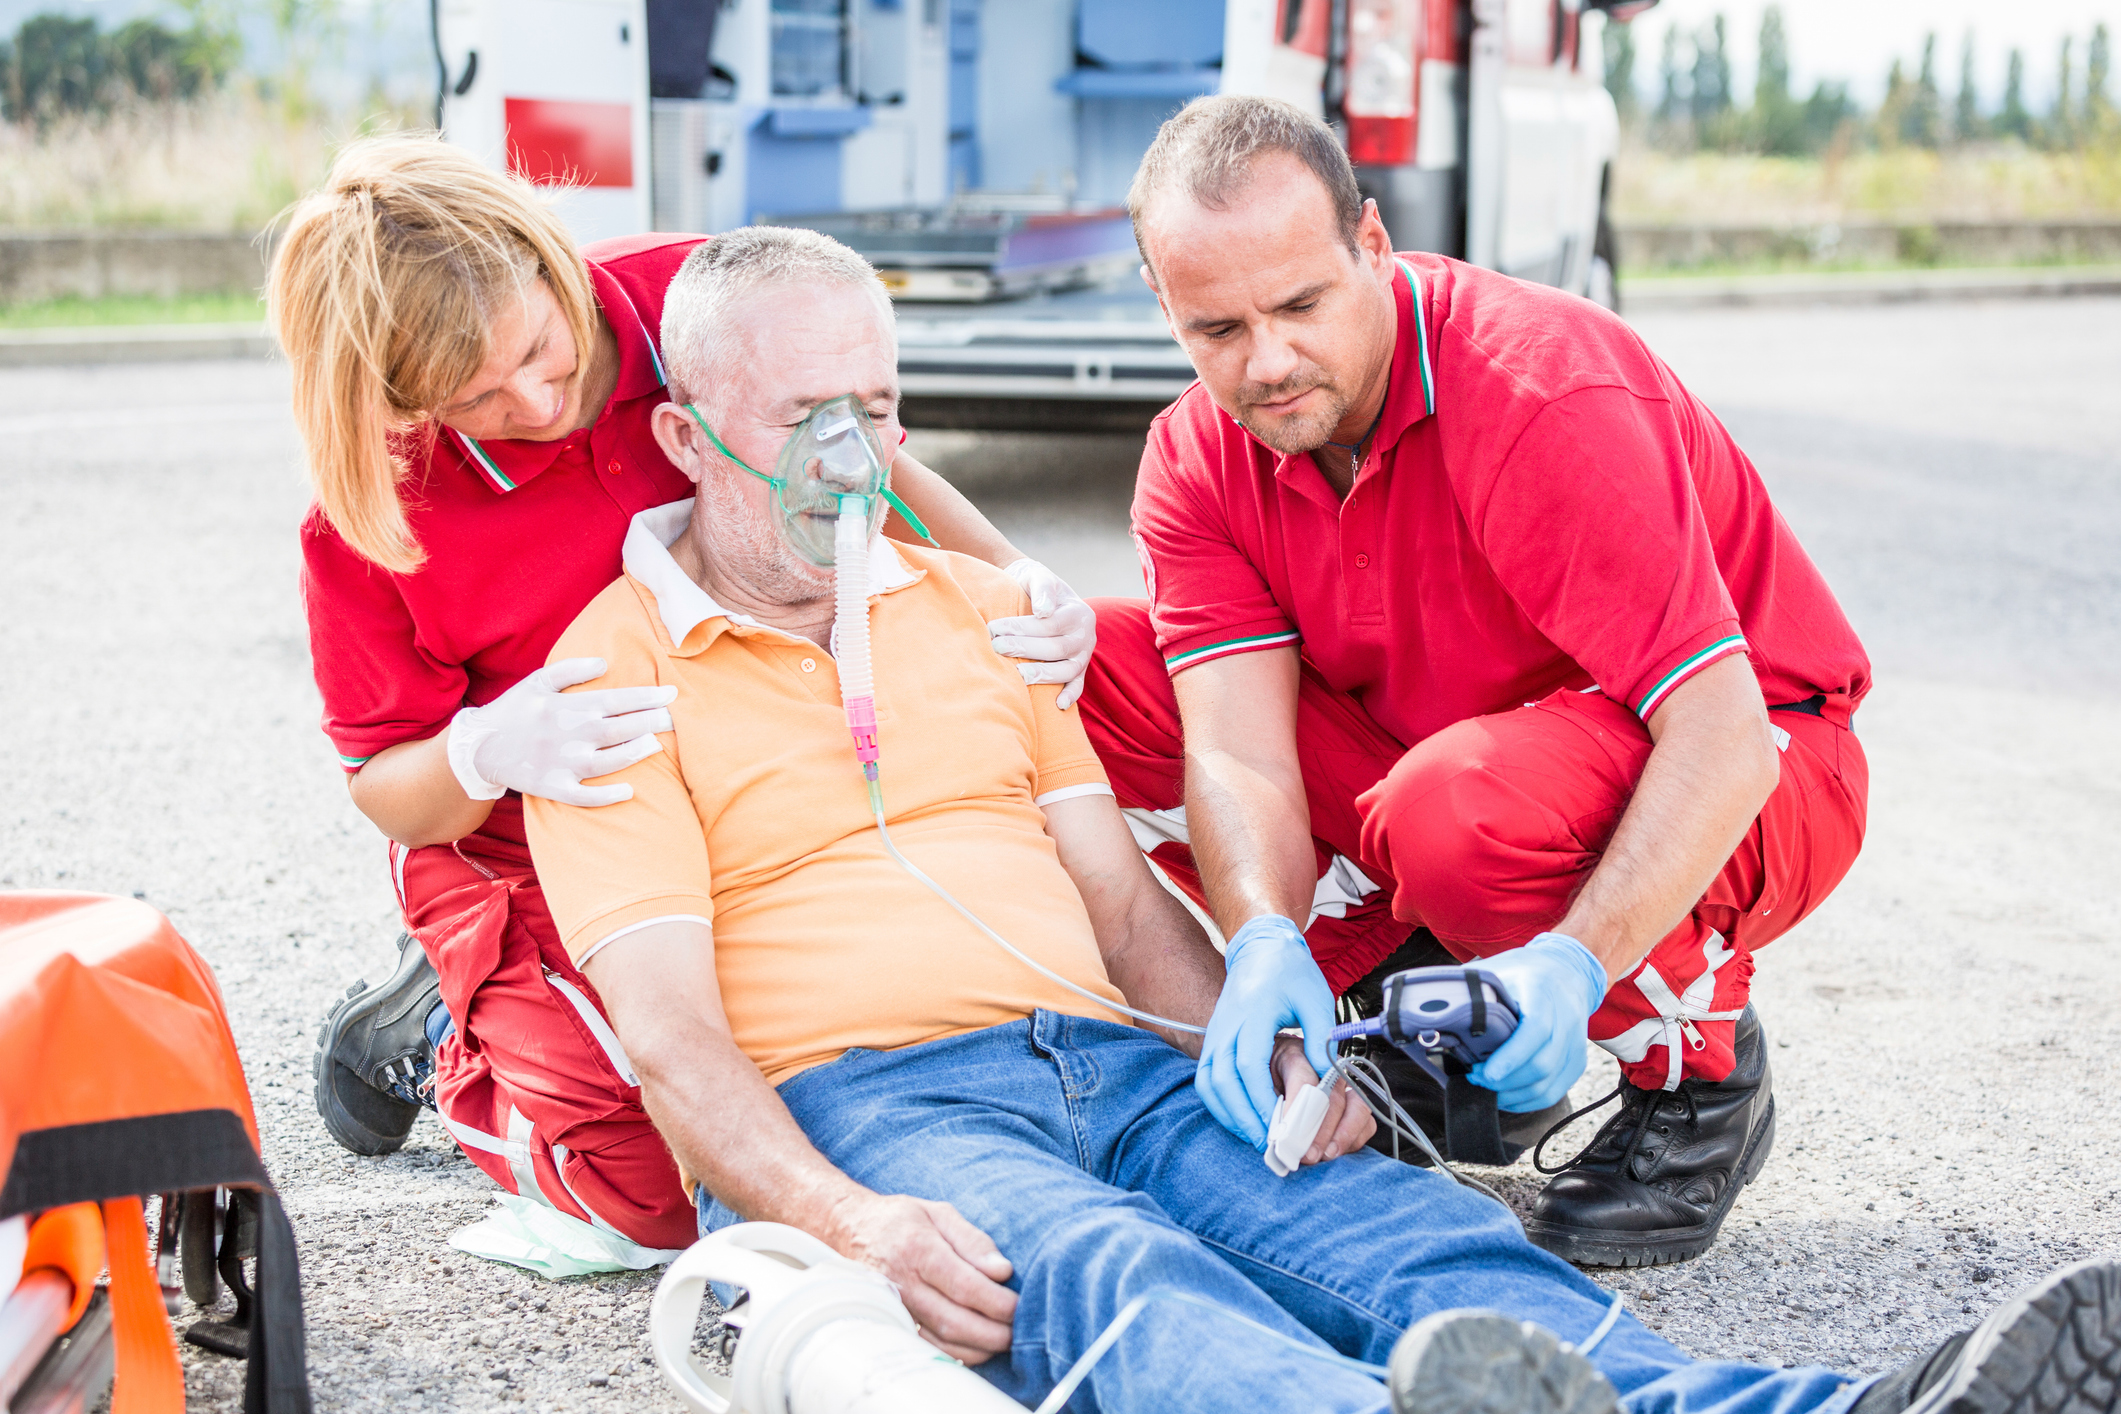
1857,40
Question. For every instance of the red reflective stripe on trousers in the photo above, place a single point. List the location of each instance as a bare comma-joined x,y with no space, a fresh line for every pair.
478,910
1484,831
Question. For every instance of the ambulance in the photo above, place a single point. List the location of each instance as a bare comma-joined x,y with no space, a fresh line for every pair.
979,151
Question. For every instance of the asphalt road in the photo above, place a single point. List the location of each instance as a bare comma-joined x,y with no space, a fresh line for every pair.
1947,1034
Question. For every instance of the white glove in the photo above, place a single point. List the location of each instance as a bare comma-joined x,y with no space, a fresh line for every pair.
1060,635
541,741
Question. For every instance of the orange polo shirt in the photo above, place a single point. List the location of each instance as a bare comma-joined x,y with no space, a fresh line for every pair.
754,817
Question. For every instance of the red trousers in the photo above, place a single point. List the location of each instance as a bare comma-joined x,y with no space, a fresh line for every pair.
533,1084
1483,833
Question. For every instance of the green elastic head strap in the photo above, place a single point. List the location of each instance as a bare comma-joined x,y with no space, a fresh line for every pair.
890,497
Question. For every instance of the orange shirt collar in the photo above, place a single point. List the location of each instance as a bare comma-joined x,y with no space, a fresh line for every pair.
680,602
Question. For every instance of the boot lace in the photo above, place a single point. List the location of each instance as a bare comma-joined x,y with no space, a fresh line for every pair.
411,1080
1637,1113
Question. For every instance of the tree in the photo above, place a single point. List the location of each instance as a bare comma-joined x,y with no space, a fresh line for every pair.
59,65
55,65
1966,113
1825,112
1671,102
1712,74
1892,112
2098,108
1620,67
2012,119
1921,116
1778,119
2062,124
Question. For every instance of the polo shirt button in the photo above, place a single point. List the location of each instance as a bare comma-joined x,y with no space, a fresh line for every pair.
1362,562
613,468
810,665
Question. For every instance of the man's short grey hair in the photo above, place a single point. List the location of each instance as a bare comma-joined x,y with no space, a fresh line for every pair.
1208,149
700,307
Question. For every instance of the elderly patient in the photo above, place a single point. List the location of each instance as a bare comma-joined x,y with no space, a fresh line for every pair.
824,1043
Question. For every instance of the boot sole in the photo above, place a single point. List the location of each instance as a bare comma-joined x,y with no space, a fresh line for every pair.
360,1001
1589,1247
2054,1348
1483,1362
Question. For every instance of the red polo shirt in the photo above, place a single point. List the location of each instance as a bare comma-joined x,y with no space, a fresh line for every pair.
1542,506
519,537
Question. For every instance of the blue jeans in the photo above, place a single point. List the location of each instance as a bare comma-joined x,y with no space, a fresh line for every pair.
1080,1148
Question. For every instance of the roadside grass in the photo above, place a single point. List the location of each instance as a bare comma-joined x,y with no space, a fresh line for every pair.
1797,265
231,162
1983,182
133,309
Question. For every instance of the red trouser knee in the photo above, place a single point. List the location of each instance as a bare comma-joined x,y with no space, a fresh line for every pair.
1483,833
533,1083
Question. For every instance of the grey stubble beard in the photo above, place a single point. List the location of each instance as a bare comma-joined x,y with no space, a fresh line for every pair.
1294,436
748,549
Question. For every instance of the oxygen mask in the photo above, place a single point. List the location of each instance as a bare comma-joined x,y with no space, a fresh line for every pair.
833,456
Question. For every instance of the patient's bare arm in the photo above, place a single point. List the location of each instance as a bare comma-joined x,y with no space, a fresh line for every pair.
1158,957
731,1132
1154,951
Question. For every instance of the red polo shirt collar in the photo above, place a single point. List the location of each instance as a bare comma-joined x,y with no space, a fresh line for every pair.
505,464
1410,392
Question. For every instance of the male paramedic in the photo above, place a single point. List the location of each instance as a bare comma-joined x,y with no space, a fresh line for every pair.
823,1041
1478,623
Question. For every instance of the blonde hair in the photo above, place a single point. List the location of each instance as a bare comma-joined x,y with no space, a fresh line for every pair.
383,292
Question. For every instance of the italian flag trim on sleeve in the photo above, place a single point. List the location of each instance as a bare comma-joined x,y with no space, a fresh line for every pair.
1234,645
1734,643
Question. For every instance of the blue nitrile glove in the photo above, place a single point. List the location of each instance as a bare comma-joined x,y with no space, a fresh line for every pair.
1272,983
1556,984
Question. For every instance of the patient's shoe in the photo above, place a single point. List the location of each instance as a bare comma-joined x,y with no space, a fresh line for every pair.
2054,1348
1483,1362
1657,1181
374,1065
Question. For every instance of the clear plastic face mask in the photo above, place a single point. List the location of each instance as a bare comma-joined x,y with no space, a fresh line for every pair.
834,453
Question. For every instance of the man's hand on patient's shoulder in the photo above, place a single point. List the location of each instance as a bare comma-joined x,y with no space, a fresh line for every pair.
1348,1124
947,1271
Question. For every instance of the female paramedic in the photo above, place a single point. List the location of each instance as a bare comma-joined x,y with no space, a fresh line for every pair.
474,395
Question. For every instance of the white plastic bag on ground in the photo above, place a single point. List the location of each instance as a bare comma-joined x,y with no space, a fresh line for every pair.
547,1241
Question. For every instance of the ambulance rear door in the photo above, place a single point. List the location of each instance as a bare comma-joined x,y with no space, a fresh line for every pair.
1543,131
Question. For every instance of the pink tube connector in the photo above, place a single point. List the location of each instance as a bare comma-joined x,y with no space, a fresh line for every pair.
861,722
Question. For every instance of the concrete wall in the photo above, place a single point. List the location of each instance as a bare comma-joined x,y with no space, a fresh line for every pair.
91,264
87,265
1645,248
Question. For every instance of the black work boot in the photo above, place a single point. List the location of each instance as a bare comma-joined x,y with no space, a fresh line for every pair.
1483,1362
2054,1348
1658,1180
1415,1089
374,1067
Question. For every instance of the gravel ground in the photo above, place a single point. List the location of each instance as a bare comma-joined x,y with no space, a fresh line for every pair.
1945,1030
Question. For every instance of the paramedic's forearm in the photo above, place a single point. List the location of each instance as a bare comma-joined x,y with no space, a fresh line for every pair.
411,795
1245,802
954,521
1713,767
